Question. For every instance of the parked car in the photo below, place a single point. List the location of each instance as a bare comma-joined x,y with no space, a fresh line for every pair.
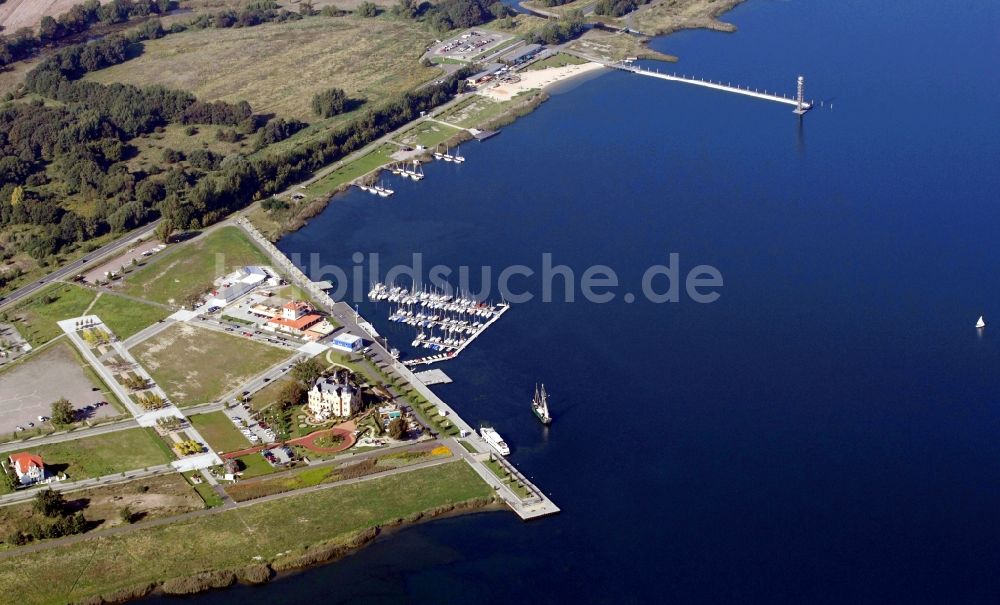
43,419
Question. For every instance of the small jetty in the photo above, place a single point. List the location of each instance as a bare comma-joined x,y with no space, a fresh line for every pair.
445,324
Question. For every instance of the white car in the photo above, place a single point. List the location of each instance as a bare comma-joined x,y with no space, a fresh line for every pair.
43,419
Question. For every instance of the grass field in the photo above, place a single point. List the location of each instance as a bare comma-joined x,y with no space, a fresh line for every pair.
195,365
556,60
348,172
234,538
125,316
269,394
189,270
37,316
427,133
149,498
100,455
278,67
219,431
254,465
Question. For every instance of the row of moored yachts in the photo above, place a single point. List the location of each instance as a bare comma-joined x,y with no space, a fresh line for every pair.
410,170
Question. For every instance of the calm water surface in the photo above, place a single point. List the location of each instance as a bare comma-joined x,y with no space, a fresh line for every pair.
829,429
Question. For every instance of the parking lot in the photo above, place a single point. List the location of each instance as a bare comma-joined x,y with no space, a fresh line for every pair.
254,432
28,390
114,265
468,45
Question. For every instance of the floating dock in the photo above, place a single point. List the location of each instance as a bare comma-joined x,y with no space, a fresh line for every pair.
434,376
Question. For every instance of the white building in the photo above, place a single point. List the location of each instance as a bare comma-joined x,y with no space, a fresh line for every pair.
29,468
237,284
334,397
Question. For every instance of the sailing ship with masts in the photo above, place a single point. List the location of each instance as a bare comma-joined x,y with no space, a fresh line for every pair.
540,405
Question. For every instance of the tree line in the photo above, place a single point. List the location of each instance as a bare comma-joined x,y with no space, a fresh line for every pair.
617,8
450,14
79,18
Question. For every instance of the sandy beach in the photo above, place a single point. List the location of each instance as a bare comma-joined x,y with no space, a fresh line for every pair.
539,79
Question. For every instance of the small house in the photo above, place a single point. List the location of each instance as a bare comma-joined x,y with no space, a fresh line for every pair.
29,468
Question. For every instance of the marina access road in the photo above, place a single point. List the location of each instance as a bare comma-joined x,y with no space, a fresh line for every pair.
78,265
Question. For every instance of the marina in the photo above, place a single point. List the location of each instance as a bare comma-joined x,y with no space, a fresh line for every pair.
445,324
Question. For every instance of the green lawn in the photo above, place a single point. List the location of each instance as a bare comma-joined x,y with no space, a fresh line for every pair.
427,133
236,538
220,432
37,316
197,365
254,465
556,60
181,274
125,316
102,454
332,182
517,487
205,491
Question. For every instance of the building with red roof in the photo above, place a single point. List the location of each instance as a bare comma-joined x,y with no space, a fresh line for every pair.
29,467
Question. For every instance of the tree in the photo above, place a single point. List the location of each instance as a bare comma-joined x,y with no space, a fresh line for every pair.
63,412
50,503
330,102
307,371
48,29
17,196
291,394
397,428
9,479
367,9
305,8
164,230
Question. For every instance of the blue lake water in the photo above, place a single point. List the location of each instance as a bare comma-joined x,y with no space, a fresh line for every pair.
829,429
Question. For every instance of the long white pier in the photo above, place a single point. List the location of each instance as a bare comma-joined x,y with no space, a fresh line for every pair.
798,101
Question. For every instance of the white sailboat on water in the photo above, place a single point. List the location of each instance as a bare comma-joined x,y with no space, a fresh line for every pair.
458,157
981,323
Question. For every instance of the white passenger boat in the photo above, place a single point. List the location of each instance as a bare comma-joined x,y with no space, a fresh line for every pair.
494,440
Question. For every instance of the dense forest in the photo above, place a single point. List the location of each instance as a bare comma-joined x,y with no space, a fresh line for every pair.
617,8
563,30
450,14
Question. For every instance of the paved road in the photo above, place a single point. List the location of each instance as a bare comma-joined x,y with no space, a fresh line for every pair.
121,425
78,265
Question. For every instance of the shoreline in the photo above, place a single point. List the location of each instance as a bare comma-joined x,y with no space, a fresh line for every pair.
442,490
313,208
314,557
539,81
